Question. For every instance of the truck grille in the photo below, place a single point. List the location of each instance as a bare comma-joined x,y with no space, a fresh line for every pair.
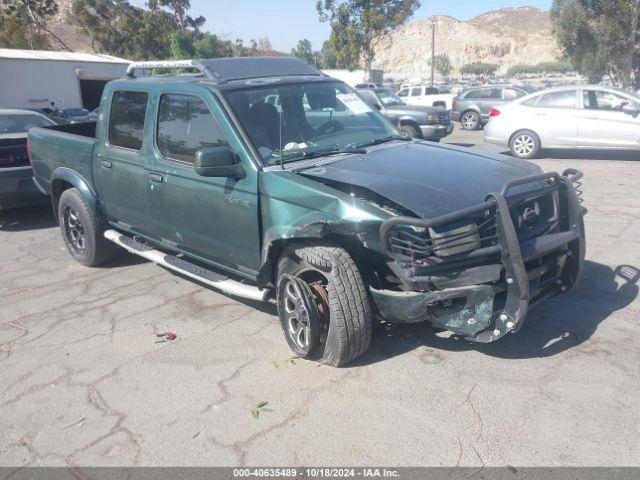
444,118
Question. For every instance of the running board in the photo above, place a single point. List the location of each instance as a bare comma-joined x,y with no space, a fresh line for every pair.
186,268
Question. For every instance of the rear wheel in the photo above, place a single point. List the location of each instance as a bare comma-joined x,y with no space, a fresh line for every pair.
470,120
524,144
81,230
323,303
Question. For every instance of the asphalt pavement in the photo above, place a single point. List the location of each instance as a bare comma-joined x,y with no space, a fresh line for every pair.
85,380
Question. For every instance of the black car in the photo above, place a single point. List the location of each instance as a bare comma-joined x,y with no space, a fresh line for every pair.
429,123
16,175
471,108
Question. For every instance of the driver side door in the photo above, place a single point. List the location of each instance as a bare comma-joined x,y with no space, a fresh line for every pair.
605,124
214,219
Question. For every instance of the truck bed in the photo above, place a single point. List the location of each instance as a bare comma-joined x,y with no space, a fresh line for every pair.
69,146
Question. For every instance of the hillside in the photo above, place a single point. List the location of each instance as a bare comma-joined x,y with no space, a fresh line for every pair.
507,37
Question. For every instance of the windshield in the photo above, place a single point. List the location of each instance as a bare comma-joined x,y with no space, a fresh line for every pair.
22,123
292,122
389,98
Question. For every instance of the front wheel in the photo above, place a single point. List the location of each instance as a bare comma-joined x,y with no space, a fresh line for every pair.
524,144
323,303
410,131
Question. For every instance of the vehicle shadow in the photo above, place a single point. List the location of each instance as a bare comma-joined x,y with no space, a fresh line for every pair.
552,327
27,218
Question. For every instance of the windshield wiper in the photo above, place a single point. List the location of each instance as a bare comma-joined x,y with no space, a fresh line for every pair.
378,141
305,155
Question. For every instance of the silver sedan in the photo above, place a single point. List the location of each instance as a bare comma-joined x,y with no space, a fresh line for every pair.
583,116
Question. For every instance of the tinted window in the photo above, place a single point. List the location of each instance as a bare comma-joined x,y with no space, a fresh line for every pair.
185,125
602,100
416,91
512,93
22,122
484,93
403,93
126,120
369,97
564,99
431,91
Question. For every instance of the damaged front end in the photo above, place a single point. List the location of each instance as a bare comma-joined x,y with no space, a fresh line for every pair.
477,271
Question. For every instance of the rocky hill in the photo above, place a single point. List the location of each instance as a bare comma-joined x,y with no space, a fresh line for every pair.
507,37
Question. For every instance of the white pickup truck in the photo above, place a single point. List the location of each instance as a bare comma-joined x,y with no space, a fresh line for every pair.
426,95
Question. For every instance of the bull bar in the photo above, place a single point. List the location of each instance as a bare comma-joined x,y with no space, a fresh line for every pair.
513,253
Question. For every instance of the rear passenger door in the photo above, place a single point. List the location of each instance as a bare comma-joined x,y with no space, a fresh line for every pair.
119,161
211,218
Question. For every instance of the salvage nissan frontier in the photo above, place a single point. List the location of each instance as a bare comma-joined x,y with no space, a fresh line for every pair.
264,176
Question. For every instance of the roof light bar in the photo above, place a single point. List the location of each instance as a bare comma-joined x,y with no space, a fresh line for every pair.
167,65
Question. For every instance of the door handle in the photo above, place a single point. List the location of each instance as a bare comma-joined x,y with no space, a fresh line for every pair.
106,164
156,177
592,118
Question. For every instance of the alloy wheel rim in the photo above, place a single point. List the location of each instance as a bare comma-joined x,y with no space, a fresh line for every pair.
524,145
297,317
469,121
74,230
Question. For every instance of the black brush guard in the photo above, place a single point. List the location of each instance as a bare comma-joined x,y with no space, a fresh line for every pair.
514,255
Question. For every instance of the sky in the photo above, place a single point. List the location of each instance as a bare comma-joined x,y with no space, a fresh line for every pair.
287,21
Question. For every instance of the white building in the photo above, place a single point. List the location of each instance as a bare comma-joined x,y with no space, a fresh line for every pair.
40,79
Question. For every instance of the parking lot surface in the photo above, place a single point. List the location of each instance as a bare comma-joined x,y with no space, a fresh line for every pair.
85,381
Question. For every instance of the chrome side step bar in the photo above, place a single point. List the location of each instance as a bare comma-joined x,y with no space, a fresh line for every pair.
186,268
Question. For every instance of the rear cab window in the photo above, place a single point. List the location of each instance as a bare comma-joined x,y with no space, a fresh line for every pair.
126,119
186,125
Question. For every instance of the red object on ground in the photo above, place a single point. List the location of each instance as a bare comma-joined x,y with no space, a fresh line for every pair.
171,336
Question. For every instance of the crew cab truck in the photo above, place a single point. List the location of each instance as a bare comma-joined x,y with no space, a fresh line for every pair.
263,176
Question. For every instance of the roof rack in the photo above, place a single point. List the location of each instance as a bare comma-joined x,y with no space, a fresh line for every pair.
167,64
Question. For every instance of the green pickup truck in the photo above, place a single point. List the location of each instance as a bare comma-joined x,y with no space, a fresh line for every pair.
264,177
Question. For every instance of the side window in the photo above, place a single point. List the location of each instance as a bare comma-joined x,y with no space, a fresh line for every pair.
481,93
602,100
563,99
126,119
512,93
185,125
416,91
369,97
403,93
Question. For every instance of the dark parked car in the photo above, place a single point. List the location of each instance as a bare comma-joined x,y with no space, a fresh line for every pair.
16,175
71,115
429,123
471,108
263,175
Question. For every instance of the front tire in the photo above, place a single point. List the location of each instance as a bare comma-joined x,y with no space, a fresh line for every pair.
410,130
470,121
346,316
81,230
524,144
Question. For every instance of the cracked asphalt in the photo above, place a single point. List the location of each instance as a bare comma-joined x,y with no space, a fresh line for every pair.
84,381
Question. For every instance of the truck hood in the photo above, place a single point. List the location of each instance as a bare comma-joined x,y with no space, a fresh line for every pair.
427,179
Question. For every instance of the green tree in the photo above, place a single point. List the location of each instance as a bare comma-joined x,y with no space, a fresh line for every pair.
26,22
304,50
328,55
479,69
600,37
442,64
358,26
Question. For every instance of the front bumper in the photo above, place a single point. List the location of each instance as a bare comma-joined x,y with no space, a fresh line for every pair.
435,132
455,116
17,188
485,291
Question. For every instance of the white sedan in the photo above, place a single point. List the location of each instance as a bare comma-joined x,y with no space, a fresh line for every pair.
584,117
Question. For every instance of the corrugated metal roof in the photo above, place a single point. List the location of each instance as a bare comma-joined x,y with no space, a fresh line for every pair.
63,56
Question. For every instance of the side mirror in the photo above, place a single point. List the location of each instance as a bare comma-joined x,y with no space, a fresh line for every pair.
377,106
218,162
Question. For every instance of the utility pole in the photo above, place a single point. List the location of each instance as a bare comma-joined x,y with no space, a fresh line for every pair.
433,50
